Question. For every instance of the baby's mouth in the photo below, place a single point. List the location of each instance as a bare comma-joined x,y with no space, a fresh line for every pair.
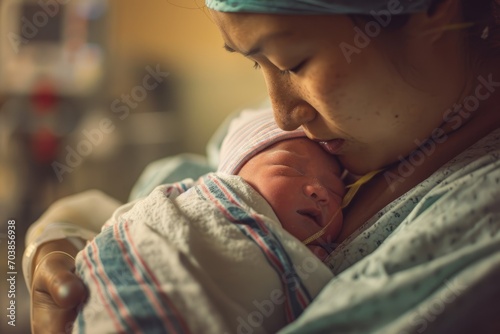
313,214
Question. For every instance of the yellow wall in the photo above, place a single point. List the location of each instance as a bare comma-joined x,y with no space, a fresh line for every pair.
215,82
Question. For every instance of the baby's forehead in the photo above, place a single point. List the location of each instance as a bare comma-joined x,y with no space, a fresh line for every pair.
286,149
307,152
286,156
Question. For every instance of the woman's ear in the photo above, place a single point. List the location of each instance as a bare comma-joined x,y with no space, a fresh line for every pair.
444,16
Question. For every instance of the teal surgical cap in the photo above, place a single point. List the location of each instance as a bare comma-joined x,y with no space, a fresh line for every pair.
319,6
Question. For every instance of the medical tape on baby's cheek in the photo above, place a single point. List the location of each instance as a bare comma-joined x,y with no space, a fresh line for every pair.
353,189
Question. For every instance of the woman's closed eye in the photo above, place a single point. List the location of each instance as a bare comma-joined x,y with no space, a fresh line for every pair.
294,69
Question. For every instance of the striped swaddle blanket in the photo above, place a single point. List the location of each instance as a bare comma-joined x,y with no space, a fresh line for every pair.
196,257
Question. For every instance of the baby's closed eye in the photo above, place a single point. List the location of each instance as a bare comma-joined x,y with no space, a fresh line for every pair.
286,170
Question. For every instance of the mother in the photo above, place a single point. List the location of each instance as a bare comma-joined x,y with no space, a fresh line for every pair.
410,88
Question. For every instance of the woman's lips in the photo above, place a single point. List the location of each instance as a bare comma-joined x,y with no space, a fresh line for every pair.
332,146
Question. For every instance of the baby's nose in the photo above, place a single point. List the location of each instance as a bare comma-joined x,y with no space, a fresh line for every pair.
317,192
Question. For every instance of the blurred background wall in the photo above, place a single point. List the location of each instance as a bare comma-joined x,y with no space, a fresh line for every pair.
84,83
213,81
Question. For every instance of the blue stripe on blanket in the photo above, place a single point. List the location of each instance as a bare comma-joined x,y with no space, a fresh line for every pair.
219,192
80,321
128,288
107,293
168,314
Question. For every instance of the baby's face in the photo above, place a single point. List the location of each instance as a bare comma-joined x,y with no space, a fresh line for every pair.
302,184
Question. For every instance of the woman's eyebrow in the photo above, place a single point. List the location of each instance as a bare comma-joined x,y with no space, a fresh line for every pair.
257,49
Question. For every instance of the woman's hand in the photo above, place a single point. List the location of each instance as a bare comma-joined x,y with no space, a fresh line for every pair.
56,291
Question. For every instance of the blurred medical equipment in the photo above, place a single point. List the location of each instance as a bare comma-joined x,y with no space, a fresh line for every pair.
65,126
67,122
52,58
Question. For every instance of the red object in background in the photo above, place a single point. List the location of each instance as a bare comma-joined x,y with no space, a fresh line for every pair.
44,143
44,146
44,98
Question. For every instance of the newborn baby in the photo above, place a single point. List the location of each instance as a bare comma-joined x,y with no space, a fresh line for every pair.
225,253
299,180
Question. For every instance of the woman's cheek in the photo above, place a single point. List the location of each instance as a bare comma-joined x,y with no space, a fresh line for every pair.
329,97
326,82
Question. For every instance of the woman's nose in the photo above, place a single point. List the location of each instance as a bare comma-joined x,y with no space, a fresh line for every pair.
317,192
290,118
290,109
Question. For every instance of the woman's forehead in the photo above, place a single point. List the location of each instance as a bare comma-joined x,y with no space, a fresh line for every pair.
243,32
236,28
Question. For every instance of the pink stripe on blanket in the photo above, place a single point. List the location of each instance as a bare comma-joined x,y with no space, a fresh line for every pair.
138,263
108,293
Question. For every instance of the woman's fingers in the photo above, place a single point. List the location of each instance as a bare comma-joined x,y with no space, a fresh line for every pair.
56,294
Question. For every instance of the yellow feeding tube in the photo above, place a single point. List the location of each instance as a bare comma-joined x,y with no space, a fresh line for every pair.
353,189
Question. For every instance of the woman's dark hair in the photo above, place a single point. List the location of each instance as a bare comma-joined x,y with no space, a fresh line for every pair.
483,15
477,11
